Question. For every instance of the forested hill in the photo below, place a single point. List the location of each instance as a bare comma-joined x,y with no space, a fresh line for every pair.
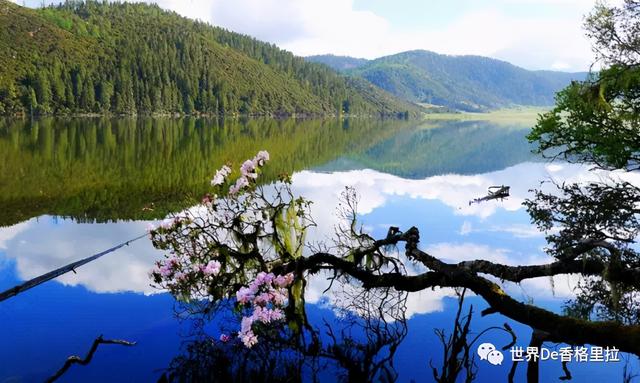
470,83
137,58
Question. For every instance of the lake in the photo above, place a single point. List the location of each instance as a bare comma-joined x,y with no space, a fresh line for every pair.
70,188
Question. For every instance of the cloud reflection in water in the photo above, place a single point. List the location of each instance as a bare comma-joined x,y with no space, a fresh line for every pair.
40,245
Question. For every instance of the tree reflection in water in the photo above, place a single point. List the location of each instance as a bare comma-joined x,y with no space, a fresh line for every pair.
358,346
249,249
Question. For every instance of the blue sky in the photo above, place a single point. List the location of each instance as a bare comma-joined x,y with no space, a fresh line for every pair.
542,34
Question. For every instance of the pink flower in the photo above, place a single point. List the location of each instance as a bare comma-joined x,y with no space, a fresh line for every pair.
288,279
224,338
265,315
262,299
267,294
277,314
261,158
212,268
221,175
217,180
167,223
207,199
246,334
248,169
259,314
279,298
263,278
167,268
241,183
244,295
283,280
249,339
245,324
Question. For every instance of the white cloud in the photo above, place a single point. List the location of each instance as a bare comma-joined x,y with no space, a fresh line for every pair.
460,252
516,230
558,287
553,39
8,233
466,228
534,43
560,65
41,246
309,27
454,191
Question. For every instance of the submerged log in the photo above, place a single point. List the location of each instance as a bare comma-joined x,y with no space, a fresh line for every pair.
494,192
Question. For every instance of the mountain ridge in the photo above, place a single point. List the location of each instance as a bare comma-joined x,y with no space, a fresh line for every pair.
463,82
338,62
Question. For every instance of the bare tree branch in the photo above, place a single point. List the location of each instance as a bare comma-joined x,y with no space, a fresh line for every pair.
87,359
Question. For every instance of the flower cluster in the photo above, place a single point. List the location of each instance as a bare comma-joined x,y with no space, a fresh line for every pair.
266,295
212,268
184,277
249,171
221,176
205,262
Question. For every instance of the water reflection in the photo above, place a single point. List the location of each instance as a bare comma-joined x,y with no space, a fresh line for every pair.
442,147
341,348
40,245
454,231
108,170
103,169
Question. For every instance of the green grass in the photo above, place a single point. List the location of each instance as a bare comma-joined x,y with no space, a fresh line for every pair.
516,115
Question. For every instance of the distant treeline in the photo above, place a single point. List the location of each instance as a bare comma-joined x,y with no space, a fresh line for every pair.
123,58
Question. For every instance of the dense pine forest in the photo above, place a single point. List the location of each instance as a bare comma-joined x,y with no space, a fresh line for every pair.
109,58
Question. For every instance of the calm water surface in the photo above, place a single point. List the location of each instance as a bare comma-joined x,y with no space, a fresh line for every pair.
71,188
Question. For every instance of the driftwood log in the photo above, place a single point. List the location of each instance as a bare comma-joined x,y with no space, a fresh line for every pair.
494,192
87,359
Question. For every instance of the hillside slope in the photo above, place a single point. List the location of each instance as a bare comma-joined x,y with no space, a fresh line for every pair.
470,83
339,63
136,58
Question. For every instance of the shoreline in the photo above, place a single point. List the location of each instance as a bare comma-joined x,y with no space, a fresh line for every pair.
524,113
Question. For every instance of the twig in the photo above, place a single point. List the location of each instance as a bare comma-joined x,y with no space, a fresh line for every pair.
567,373
87,359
